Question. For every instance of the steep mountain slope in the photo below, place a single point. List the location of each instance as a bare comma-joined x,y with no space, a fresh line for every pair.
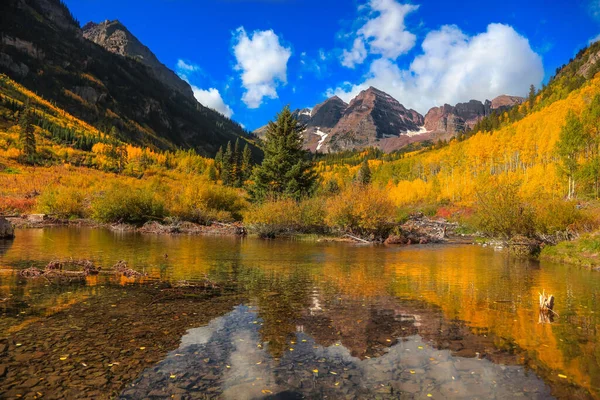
43,48
116,38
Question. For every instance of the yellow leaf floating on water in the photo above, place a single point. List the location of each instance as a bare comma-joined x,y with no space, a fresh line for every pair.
316,371
173,376
142,348
429,395
228,366
266,391
303,340
562,376
258,363
63,358
337,344
420,347
19,344
387,340
412,371
337,384
291,349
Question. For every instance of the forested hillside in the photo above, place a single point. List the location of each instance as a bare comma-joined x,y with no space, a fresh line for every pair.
42,47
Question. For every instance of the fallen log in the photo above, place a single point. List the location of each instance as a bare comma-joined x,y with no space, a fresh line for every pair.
357,238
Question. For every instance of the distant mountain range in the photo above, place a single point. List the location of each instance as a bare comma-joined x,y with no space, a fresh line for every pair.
376,119
105,76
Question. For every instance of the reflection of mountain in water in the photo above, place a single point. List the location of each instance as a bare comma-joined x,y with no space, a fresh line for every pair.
372,351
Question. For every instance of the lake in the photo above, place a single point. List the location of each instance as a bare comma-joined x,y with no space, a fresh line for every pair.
289,319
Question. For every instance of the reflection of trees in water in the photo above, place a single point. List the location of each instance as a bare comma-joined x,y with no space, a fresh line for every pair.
5,245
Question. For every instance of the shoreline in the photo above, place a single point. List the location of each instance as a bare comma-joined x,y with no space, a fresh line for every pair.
39,221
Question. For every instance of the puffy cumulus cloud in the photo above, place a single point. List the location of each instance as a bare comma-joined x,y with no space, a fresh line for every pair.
454,68
384,32
356,55
262,61
211,98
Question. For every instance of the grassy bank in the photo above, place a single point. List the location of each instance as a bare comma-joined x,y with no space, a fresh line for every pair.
584,251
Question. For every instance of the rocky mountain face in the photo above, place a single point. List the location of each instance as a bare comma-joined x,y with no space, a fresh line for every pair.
376,119
451,120
43,48
116,38
373,118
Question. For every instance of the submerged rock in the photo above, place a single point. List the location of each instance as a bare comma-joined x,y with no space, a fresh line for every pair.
7,231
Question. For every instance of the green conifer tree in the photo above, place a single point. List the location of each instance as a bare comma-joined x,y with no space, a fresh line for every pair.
219,160
286,169
227,169
237,178
363,176
246,163
531,97
27,135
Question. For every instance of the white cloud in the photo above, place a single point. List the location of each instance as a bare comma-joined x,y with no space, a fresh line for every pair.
594,39
384,32
263,63
183,67
355,56
454,68
211,98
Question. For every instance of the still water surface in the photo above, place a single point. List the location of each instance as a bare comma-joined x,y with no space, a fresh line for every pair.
292,319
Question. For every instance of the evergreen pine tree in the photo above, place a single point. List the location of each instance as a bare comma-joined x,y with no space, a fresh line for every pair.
286,169
531,97
363,176
237,165
227,169
27,135
219,160
212,173
246,166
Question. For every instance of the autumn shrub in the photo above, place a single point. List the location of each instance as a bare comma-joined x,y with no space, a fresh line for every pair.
204,202
312,215
15,205
557,215
286,216
127,204
361,209
63,201
273,217
501,212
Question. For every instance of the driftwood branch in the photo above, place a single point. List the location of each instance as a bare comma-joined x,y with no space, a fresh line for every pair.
357,238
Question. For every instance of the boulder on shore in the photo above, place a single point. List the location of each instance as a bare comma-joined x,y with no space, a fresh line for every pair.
7,231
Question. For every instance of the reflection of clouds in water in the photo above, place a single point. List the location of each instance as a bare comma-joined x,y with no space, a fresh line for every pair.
203,334
227,358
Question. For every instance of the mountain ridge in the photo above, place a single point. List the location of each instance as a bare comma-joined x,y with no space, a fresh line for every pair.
375,119
116,38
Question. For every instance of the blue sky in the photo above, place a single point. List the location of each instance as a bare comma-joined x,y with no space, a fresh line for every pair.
248,58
